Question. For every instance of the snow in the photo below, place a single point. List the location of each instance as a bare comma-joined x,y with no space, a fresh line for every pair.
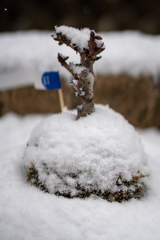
77,69
96,149
76,36
36,52
28,213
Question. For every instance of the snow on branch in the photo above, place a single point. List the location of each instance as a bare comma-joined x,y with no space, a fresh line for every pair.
88,44
75,38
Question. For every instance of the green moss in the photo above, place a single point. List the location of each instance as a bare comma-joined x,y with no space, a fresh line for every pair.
33,177
118,196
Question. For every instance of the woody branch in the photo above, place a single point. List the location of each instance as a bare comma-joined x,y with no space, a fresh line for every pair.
83,73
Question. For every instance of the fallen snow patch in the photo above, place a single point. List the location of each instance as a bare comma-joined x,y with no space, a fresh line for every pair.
97,153
128,52
28,213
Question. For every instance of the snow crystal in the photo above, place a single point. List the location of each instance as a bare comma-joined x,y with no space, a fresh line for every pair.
76,69
75,82
96,148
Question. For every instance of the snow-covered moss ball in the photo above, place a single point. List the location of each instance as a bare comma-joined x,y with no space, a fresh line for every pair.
97,155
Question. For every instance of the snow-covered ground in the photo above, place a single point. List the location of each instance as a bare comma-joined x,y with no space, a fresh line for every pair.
24,56
28,213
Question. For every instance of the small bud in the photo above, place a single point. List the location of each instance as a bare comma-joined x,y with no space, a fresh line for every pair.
88,58
92,34
66,58
98,37
64,37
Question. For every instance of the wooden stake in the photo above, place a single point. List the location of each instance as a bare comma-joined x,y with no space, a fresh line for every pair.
60,93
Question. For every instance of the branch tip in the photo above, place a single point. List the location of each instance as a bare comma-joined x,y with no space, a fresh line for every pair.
98,37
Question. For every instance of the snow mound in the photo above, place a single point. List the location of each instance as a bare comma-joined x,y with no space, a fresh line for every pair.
97,154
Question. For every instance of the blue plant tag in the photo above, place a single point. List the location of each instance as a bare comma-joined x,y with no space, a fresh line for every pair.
51,80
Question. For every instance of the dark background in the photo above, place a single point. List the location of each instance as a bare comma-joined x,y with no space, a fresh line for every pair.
100,15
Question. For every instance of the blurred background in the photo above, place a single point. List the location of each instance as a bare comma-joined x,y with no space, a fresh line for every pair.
137,98
101,15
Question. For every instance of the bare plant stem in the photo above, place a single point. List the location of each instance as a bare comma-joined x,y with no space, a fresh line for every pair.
84,77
